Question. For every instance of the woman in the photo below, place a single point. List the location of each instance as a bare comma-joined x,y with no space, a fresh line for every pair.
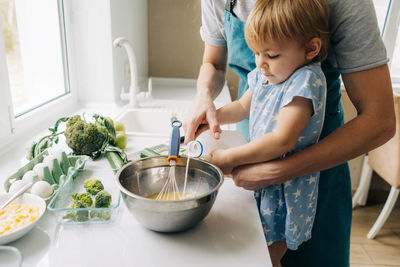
358,55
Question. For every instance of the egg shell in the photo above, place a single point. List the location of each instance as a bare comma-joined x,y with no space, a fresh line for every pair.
49,161
18,184
42,189
30,177
39,169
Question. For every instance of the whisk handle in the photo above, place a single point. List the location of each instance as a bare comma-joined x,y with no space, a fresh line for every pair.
175,140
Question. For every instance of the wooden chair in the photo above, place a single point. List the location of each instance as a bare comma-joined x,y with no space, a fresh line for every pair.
385,161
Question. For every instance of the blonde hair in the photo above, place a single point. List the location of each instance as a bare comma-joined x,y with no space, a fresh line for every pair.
281,20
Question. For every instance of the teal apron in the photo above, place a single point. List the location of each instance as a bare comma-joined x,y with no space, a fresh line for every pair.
330,242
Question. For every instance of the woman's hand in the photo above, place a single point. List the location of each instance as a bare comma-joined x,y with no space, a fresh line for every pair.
201,117
220,157
209,84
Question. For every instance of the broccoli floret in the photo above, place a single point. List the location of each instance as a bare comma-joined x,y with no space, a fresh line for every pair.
73,120
84,138
102,215
93,186
102,199
84,198
79,215
106,126
75,196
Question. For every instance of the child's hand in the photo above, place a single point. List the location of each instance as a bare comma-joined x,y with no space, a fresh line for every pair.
220,157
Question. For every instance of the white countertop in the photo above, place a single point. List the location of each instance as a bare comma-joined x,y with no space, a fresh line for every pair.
231,234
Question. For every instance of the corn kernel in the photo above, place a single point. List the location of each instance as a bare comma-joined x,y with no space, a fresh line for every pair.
15,216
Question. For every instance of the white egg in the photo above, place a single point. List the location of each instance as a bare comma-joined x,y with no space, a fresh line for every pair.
18,184
28,177
49,161
42,189
38,168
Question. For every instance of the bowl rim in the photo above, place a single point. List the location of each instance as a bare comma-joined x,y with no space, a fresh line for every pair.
42,204
129,193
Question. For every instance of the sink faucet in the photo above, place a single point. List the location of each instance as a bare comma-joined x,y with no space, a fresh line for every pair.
134,87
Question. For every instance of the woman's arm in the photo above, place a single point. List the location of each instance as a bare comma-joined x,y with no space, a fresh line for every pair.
209,84
292,120
371,93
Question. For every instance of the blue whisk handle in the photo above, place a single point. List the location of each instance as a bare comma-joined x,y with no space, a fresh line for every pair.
175,140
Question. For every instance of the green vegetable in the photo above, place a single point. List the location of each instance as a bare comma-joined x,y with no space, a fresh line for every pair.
114,158
121,140
147,152
110,121
103,215
31,151
102,199
119,127
84,138
84,198
78,215
93,186
106,126
46,141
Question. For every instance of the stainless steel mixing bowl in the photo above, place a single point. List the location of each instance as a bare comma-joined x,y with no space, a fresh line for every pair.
142,178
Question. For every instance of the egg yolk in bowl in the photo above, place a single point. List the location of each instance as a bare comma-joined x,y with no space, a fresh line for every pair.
16,216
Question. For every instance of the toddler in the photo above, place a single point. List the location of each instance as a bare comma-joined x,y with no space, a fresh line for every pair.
286,108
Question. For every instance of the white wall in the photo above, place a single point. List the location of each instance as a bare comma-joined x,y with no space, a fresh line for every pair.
129,20
97,69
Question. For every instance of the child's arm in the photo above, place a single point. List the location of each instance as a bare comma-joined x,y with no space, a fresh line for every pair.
235,111
292,120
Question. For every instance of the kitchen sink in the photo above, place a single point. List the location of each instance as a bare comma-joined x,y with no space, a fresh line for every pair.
153,118
150,124
166,98
146,122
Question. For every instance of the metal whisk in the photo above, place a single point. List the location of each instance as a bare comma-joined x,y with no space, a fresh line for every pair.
170,190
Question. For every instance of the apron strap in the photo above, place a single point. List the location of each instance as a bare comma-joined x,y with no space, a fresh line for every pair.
229,6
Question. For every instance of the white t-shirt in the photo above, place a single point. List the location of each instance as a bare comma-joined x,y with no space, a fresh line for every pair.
355,41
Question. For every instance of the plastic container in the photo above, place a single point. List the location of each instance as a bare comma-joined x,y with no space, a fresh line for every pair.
58,205
67,166
206,143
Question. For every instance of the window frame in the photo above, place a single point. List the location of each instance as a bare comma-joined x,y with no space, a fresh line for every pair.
390,32
6,121
24,124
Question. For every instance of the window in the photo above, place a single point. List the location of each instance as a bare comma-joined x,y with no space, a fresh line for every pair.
393,39
34,52
34,76
381,7
388,13
395,65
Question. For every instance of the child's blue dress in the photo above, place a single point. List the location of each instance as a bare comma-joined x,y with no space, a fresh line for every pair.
287,210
